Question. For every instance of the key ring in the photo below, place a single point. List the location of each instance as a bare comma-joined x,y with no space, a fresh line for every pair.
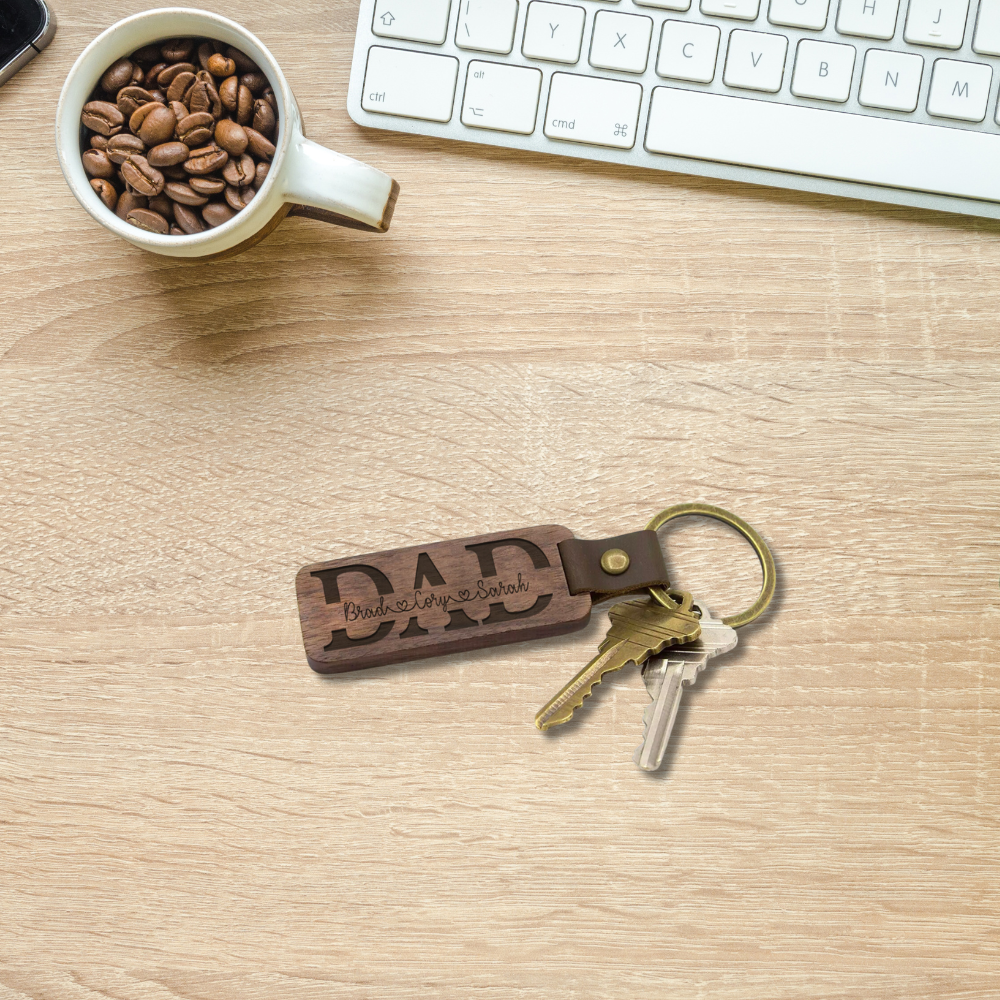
660,594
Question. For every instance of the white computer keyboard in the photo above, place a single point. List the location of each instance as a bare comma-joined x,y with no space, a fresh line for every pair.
889,100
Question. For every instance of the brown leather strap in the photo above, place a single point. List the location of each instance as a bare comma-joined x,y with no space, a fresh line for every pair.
582,557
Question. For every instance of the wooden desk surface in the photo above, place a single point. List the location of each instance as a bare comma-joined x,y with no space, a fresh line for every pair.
187,811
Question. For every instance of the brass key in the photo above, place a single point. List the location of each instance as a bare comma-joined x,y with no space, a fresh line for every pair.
639,629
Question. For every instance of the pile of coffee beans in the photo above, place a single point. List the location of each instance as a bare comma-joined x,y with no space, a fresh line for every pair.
179,136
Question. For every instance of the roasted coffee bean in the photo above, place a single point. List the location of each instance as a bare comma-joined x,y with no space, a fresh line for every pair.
178,86
102,117
157,126
149,220
214,100
208,185
189,222
205,52
147,54
178,150
205,160
162,204
197,99
123,145
130,99
196,130
239,171
184,194
263,118
243,62
231,137
229,93
259,145
141,177
139,115
106,192
127,201
216,213
168,75
254,82
239,198
167,154
203,97
177,49
244,105
97,164
220,65
118,75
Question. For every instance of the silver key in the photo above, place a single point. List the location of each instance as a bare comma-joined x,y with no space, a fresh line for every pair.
667,676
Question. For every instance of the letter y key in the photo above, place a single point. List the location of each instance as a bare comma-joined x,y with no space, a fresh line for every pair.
667,676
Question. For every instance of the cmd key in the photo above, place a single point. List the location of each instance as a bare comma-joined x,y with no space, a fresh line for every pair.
592,110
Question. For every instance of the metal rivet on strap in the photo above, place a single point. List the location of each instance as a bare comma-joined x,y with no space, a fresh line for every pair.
615,561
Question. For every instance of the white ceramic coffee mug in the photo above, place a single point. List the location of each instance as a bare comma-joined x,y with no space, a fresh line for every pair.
304,177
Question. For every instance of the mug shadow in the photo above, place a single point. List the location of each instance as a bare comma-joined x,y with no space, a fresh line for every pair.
304,283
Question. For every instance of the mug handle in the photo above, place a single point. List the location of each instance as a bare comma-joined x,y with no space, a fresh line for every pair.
322,184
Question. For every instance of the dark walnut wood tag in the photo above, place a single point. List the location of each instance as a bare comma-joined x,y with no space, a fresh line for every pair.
446,597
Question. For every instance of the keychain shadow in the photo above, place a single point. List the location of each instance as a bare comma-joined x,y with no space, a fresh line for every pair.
692,693
591,634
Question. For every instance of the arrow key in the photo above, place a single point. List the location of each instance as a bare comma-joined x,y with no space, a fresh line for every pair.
414,20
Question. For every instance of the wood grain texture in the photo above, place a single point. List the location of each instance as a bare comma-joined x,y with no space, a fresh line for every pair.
433,600
187,811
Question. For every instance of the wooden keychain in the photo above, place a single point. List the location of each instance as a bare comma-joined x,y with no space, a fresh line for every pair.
487,590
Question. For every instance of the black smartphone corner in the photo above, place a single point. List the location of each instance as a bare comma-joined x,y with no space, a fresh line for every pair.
26,27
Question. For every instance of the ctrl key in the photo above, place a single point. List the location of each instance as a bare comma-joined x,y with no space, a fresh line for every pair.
409,84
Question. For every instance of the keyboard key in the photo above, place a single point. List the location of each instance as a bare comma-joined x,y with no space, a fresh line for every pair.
959,90
621,41
940,23
987,40
592,110
869,18
553,32
823,71
665,4
688,51
742,10
755,61
891,80
486,25
799,13
885,151
414,20
411,84
501,97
